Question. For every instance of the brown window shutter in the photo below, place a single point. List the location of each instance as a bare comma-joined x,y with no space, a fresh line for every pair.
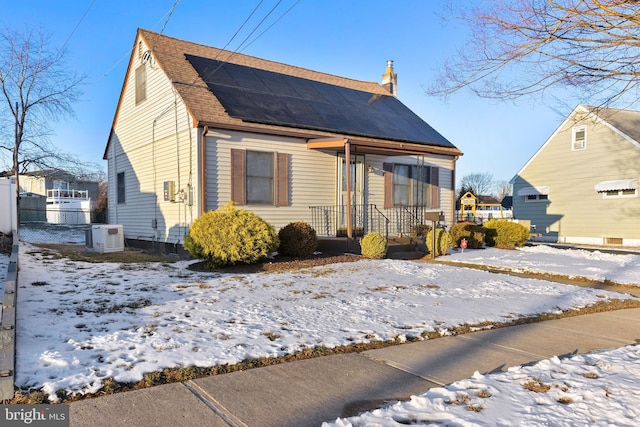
238,166
282,179
435,187
387,169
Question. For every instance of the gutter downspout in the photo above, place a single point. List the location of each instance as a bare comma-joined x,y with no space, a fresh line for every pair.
203,170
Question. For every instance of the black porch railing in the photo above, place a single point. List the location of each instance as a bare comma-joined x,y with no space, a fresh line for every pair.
397,221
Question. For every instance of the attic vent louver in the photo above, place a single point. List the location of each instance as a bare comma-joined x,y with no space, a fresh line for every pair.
147,58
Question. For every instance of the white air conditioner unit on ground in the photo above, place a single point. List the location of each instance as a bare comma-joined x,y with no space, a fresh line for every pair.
107,238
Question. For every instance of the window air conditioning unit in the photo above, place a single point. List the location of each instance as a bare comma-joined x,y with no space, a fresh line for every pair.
107,238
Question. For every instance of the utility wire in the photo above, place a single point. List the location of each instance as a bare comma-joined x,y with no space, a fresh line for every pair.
165,22
77,25
240,48
274,23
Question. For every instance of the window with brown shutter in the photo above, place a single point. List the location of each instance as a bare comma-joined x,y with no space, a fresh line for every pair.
410,185
387,169
282,179
434,185
238,194
259,177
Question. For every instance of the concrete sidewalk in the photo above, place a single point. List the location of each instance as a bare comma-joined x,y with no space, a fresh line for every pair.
308,392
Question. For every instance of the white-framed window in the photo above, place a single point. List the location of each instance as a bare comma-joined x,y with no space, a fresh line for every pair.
141,84
617,194
579,138
410,185
536,198
259,175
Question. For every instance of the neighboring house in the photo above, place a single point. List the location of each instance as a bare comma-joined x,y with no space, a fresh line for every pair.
37,186
38,182
196,127
582,184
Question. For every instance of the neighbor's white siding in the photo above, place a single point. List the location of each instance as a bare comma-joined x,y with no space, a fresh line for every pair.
312,174
575,212
152,142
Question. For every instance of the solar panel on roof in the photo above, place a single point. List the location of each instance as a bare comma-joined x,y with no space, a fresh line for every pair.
261,96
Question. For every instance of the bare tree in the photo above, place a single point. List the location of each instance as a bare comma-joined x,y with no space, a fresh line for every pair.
502,188
37,88
480,184
591,48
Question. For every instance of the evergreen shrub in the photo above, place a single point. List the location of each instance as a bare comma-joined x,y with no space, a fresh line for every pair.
297,239
229,236
443,242
373,245
505,233
470,231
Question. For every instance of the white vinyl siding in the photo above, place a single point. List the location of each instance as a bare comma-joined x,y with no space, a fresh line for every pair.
152,143
312,174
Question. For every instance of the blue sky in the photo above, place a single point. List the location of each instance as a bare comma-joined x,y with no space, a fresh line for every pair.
351,38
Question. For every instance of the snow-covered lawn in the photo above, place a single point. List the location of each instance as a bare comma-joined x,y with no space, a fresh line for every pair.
80,323
593,265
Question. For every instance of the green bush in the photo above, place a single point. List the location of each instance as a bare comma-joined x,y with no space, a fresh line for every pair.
443,242
505,233
297,239
373,245
229,236
470,231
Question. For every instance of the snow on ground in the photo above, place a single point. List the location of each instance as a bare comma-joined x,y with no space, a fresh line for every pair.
80,323
4,265
594,265
597,389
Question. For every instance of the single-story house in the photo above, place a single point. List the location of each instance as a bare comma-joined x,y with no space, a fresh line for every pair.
196,127
581,186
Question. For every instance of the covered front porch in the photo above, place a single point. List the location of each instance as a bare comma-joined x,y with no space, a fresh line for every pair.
385,188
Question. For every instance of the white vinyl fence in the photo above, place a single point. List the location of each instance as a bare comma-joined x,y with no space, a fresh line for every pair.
8,211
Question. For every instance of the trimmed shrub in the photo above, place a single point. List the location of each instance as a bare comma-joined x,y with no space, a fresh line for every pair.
443,241
229,236
505,233
373,245
470,231
297,239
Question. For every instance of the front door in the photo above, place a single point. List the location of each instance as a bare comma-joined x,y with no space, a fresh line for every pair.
357,194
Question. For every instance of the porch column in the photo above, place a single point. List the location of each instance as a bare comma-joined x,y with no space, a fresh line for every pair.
347,161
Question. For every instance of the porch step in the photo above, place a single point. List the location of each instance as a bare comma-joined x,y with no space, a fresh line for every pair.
405,249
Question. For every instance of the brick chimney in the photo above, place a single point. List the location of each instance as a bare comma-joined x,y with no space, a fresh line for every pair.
390,79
